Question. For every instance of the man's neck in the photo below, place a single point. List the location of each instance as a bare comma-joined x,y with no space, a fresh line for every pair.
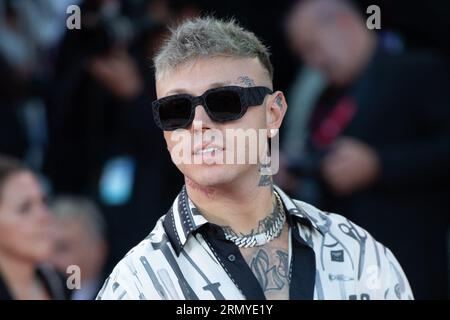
239,205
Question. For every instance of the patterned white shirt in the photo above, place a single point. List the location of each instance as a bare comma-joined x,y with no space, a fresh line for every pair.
186,257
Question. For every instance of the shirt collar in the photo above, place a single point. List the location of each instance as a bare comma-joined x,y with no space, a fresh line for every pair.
183,218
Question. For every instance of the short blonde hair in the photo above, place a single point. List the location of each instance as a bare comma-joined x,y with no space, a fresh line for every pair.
209,37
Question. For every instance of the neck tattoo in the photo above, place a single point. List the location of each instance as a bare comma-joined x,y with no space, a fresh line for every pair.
268,229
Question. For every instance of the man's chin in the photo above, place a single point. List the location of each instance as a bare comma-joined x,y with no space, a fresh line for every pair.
213,181
213,175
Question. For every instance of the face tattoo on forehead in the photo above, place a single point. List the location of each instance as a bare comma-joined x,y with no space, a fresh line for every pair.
247,81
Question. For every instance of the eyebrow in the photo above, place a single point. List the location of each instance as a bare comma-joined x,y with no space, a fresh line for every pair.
211,86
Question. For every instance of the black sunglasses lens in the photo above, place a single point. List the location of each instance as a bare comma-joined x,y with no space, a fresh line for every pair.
175,113
224,105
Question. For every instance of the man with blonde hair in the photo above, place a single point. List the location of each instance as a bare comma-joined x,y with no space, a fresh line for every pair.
231,233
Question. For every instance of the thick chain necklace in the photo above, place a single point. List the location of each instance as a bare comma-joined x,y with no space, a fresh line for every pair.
260,239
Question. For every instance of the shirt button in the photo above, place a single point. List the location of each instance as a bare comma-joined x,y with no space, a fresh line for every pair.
232,257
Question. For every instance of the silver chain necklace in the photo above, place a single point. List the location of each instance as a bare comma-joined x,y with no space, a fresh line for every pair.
260,239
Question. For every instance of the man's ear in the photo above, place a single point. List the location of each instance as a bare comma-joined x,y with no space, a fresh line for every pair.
275,110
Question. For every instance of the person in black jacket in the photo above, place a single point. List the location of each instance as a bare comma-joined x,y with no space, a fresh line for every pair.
378,144
25,238
101,126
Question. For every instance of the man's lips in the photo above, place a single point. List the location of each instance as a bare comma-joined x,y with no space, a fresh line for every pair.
207,149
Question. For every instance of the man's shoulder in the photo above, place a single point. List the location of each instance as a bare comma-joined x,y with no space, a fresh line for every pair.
347,252
336,225
145,249
126,281
148,244
319,216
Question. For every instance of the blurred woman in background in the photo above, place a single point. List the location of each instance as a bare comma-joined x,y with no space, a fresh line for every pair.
25,238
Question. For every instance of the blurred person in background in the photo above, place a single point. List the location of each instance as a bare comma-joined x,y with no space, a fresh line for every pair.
25,237
29,30
378,141
20,51
102,136
80,241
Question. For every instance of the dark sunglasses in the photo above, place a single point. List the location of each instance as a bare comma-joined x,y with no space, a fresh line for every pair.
221,104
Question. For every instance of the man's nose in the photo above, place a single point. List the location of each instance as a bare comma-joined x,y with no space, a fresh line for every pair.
201,119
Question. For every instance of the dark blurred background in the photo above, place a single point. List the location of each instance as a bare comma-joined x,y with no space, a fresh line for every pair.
75,106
